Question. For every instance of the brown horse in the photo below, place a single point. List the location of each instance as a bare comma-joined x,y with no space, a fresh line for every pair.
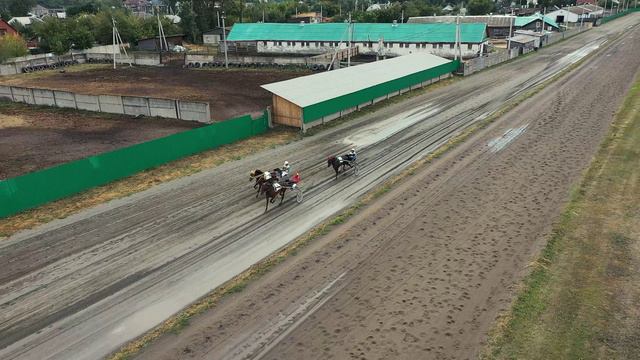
258,175
271,193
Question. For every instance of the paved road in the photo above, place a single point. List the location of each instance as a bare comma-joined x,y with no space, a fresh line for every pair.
80,287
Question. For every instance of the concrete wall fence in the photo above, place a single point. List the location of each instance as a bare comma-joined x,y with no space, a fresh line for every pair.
37,188
113,104
14,66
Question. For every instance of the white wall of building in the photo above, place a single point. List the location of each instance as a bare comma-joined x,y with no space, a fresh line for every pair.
373,48
569,17
211,39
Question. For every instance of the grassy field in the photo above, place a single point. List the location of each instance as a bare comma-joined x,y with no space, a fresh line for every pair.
582,299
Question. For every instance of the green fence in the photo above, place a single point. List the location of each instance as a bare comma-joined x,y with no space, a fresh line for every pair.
332,106
40,187
620,14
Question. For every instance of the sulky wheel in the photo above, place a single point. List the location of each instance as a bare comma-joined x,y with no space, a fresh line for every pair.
356,169
299,196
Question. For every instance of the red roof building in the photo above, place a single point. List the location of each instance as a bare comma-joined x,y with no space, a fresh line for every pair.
6,28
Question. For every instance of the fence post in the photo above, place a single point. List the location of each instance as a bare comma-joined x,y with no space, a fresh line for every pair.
269,120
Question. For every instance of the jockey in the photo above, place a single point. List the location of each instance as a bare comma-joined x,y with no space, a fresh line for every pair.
284,174
351,156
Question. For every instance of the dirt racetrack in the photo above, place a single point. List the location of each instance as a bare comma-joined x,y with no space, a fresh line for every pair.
35,138
423,272
121,268
230,93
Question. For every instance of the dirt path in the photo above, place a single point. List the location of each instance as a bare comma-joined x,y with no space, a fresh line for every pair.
120,268
423,272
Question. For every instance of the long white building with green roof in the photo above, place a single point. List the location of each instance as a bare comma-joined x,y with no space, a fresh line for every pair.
370,38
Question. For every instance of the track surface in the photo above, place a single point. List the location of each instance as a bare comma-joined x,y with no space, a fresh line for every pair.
79,287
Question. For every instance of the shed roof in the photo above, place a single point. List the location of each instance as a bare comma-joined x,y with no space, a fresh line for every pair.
523,39
24,20
431,33
491,21
524,20
313,89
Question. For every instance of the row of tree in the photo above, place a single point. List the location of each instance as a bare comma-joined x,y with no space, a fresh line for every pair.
84,30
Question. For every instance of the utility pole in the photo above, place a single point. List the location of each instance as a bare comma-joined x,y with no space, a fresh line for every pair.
161,35
349,45
114,42
402,17
117,41
224,40
511,20
455,55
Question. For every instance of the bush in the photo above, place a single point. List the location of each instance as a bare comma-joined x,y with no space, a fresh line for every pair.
12,46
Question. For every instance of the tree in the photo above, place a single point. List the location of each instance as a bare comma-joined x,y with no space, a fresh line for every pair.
60,36
128,26
52,33
480,7
12,46
80,35
19,7
188,21
149,27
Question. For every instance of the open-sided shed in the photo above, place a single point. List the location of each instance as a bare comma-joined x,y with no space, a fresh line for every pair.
311,100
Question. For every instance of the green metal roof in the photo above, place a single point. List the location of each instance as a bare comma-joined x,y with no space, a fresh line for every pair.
412,33
524,20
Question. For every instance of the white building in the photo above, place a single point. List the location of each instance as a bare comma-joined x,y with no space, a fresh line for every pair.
574,14
370,38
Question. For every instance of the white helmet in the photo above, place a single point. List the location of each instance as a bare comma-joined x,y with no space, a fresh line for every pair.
286,163
353,151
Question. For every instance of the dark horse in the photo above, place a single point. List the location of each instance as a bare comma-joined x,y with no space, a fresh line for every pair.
271,193
260,179
337,163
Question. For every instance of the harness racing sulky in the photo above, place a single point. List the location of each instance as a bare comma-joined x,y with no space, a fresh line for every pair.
276,182
345,162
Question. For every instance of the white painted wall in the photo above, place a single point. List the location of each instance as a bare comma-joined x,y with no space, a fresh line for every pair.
391,49
211,39
568,15
292,47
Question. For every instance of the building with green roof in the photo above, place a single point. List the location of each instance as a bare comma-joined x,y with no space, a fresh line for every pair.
533,23
312,100
382,39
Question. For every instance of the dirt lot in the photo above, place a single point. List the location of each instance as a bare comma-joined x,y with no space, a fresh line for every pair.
36,138
424,272
230,93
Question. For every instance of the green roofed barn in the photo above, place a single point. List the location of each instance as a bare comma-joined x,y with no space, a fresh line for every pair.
315,99
534,22
370,38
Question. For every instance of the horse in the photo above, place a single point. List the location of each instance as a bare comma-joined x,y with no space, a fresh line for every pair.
337,162
271,193
260,179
